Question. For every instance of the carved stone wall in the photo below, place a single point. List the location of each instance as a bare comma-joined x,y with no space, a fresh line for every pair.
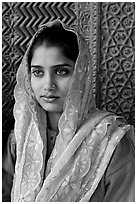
116,67
108,29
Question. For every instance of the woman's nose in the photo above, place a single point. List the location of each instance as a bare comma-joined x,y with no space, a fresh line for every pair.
49,82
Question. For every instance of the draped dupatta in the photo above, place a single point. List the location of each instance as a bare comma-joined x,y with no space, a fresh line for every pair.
83,148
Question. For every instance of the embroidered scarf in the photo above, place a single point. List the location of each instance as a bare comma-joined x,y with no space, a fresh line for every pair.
83,148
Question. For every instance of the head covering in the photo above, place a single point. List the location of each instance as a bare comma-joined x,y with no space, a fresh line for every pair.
85,143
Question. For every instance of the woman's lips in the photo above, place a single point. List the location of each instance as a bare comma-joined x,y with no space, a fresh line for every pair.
49,99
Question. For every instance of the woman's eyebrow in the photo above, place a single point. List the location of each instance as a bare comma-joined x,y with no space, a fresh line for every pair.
62,65
54,66
36,66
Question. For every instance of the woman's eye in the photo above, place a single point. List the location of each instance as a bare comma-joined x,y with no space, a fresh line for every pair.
62,72
37,73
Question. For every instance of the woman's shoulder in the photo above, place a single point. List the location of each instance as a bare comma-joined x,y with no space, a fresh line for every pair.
10,149
123,156
12,136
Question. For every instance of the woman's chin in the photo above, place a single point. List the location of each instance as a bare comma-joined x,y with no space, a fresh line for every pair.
52,107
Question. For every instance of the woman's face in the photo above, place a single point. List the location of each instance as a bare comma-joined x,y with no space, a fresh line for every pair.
51,73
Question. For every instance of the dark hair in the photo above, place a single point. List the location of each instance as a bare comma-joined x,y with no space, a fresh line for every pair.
56,35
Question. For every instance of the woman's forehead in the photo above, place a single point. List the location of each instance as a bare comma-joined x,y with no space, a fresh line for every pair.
49,56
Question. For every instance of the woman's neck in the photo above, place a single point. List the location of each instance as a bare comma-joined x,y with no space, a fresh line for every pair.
53,119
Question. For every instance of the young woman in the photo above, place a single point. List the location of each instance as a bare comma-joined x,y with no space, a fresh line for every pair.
63,148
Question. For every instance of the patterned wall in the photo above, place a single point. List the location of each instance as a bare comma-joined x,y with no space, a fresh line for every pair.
116,59
109,31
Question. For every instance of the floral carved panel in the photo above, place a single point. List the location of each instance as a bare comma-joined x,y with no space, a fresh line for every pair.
116,68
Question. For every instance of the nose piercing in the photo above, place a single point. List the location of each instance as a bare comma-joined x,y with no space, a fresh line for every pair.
53,86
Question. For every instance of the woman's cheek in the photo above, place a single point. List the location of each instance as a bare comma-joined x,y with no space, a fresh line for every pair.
66,84
35,87
65,92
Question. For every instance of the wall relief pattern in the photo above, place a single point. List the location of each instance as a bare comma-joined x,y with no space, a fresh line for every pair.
116,68
108,29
